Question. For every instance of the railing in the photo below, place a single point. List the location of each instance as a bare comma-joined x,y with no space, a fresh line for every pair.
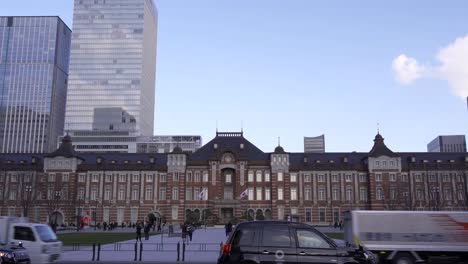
179,249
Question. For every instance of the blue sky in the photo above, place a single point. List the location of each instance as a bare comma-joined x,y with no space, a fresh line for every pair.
296,68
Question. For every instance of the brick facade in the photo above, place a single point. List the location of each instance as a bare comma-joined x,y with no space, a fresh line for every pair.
308,187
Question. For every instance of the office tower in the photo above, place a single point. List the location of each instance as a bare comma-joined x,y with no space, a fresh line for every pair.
34,57
452,143
165,144
314,144
112,65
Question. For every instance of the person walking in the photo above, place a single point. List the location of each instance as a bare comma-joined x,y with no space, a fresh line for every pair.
228,228
184,231
190,232
159,227
138,232
147,230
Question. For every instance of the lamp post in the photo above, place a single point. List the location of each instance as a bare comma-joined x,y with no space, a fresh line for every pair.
57,199
435,196
95,212
28,190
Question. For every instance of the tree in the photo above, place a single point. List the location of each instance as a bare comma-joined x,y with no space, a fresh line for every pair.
29,190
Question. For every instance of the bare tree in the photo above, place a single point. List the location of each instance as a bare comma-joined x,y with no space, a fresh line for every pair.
28,191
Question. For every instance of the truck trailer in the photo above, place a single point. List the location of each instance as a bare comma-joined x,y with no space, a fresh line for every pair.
407,237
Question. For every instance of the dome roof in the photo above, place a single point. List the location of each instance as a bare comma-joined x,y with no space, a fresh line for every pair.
279,149
177,150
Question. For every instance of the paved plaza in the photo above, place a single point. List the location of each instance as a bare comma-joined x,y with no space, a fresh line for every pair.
204,248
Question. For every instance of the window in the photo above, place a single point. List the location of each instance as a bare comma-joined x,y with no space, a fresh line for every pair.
307,178
121,193
121,177
149,177
280,176
348,178
250,177
228,178
419,194
162,177
363,194
308,195
107,193
14,178
447,194
81,193
460,195
244,237
175,176
148,193
93,194
228,195
51,177
189,177
293,177
378,177
418,177
188,194
309,239
259,193
280,193
95,178
267,176
349,194
196,193
379,193
294,193
335,194
404,178
308,213
384,164
334,178
321,193
321,178
251,193
392,177
267,194
446,178
65,177
377,163
108,177
136,178
322,217
13,194
175,193
276,236
392,163
24,233
259,176
162,193
205,176
362,177
135,193
197,176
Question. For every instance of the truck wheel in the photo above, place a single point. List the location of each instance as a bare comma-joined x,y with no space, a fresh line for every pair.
403,258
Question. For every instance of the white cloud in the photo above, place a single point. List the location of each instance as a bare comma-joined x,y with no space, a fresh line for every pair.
453,67
407,69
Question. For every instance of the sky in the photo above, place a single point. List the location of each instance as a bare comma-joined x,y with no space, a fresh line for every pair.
299,68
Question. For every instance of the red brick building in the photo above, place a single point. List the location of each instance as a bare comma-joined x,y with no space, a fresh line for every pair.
310,187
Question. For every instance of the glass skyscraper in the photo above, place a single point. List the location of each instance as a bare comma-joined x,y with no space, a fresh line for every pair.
34,58
112,66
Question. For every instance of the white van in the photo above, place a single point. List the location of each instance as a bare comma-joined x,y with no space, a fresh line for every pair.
38,239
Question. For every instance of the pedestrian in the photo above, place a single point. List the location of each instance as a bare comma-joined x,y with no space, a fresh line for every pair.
341,224
147,230
159,227
138,232
184,231
335,225
190,232
228,228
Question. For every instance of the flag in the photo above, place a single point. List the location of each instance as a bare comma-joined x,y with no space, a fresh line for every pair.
244,193
201,195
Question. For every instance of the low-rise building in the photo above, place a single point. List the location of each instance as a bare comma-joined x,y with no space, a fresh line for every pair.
228,179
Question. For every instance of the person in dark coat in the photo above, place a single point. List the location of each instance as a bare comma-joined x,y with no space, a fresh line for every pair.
228,228
159,227
190,231
147,230
138,232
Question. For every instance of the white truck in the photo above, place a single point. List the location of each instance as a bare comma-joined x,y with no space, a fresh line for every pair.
38,239
406,237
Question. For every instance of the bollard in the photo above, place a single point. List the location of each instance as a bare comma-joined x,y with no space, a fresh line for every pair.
183,251
178,251
98,251
94,251
141,249
136,251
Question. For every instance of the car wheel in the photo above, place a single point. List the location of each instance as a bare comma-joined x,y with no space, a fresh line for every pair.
403,258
